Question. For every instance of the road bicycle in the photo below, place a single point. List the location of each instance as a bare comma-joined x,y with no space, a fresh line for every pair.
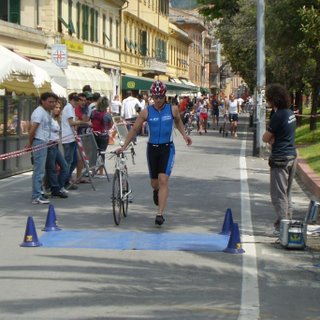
121,189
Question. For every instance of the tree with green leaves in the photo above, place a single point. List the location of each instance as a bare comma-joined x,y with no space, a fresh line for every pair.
292,42
310,27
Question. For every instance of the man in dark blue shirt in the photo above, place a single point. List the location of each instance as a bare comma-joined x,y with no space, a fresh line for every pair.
281,136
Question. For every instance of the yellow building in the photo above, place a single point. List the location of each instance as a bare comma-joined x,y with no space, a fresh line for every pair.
151,47
179,42
89,31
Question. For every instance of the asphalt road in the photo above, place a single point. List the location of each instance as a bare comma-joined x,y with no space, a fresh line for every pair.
215,173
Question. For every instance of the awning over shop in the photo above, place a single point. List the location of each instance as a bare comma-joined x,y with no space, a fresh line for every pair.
178,87
204,90
24,77
53,70
129,82
175,80
78,77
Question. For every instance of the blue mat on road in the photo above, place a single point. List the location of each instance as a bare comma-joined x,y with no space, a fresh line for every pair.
123,240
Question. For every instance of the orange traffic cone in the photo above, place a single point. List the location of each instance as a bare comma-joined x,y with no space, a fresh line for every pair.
30,236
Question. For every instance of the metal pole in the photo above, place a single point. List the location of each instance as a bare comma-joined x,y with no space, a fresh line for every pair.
261,78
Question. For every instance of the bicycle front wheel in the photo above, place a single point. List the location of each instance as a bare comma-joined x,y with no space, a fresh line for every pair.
116,198
125,190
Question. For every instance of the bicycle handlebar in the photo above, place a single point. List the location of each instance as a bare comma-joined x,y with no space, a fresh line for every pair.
118,154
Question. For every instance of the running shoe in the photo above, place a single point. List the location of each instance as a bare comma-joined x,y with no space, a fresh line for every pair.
44,195
64,190
40,200
156,197
60,194
159,219
276,232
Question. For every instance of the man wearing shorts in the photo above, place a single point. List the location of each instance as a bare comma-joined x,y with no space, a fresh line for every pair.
233,110
161,116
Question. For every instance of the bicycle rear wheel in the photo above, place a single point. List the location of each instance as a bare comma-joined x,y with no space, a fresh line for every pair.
125,190
116,198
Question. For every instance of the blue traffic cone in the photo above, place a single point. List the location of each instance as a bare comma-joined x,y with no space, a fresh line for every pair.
234,244
30,236
227,223
51,222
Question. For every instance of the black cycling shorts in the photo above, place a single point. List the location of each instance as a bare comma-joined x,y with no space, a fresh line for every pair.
160,159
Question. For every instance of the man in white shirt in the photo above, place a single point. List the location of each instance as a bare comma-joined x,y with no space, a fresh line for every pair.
116,106
39,136
129,106
129,110
68,123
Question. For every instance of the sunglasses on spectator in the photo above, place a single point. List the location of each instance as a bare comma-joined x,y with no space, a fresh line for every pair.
158,97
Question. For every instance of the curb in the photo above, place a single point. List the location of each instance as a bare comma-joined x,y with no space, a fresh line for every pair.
309,178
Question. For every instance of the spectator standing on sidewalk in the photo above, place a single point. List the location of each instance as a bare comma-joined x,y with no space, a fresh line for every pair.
116,106
95,98
101,123
56,180
161,118
39,136
82,114
280,135
130,106
68,124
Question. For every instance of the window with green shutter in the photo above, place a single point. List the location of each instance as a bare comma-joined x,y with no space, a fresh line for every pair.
59,16
96,28
110,31
78,19
117,34
14,11
71,29
92,18
85,18
104,26
143,43
10,11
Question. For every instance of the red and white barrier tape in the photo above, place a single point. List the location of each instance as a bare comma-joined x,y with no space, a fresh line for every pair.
21,152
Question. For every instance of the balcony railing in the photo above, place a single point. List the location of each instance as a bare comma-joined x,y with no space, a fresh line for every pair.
154,64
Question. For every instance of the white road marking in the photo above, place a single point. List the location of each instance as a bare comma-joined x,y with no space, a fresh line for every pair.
249,309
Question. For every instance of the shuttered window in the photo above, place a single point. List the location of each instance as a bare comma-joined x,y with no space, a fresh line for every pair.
14,11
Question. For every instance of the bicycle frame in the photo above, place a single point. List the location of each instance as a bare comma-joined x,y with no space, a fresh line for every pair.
121,188
120,164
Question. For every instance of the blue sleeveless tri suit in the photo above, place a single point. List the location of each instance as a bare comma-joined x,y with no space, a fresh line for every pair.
160,150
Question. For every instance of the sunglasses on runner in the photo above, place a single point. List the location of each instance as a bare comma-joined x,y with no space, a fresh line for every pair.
158,97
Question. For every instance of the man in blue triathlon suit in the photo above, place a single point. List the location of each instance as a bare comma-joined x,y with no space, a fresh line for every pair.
161,118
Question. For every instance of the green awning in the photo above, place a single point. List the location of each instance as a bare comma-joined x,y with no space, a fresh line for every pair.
204,90
135,83
129,82
171,86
